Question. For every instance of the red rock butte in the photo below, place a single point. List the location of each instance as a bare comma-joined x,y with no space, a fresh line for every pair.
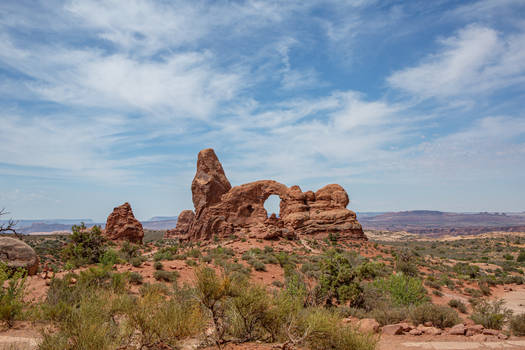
122,225
222,210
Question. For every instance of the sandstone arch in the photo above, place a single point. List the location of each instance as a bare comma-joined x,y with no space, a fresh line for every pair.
222,210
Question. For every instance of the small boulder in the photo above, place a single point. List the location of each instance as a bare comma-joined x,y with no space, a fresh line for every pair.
491,332
474,329
392,329
430,330
458,329
406,326
503,336
17,254
368,325
415,331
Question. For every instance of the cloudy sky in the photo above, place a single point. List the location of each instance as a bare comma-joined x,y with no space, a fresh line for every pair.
407,104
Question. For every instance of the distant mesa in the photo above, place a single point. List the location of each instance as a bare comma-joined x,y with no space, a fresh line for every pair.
222,210
17,254
122,225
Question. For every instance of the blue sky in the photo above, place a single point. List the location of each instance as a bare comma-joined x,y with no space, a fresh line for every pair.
407,104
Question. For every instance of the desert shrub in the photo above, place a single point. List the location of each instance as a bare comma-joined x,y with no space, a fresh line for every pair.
129,251
136,261
135,278
109,258
404,290
440,316
12,289
517,324
387,314
194,253
258,265
86,246
458,304
465,269
370,270
321,329
213,291
248,312
491,315
190,262
167,253
278,284
405,264
337,278
162,321
158,265
87,326
521,256
167,276
437,293
207,259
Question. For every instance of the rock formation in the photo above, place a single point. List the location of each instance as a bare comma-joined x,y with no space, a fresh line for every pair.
184,221
221,210
122,225
17,254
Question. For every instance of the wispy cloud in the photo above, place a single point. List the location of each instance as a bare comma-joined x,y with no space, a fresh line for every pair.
476,60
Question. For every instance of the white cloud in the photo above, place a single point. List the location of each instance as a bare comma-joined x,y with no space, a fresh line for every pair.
476,60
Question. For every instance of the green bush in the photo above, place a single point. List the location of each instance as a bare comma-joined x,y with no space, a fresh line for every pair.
161,322
87,246
491,315
248,312
129,251
87,326
404,290
167,276
136,261
387,314
12,289
158,265
109,258
440,316
321,329
458,304
135,278
521,256
517,325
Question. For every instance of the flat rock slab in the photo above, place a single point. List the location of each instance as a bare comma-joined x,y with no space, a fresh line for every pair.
19,343
453,345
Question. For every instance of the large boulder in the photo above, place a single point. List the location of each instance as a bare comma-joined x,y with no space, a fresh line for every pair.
17,254
122,225
222,210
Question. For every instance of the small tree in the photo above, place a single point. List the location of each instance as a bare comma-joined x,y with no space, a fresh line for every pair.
86,247
213,293
8,227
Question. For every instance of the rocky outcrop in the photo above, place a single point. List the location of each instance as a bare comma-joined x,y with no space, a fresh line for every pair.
184,221
17,254
221,210
122,225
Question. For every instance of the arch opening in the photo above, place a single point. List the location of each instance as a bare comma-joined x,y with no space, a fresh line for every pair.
273,205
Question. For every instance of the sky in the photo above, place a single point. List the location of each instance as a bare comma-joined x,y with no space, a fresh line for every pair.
406,104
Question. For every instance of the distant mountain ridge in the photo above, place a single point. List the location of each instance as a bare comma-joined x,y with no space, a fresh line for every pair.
52,225
439,223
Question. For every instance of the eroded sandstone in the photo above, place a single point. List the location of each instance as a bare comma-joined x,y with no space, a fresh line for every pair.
122,225
222,210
